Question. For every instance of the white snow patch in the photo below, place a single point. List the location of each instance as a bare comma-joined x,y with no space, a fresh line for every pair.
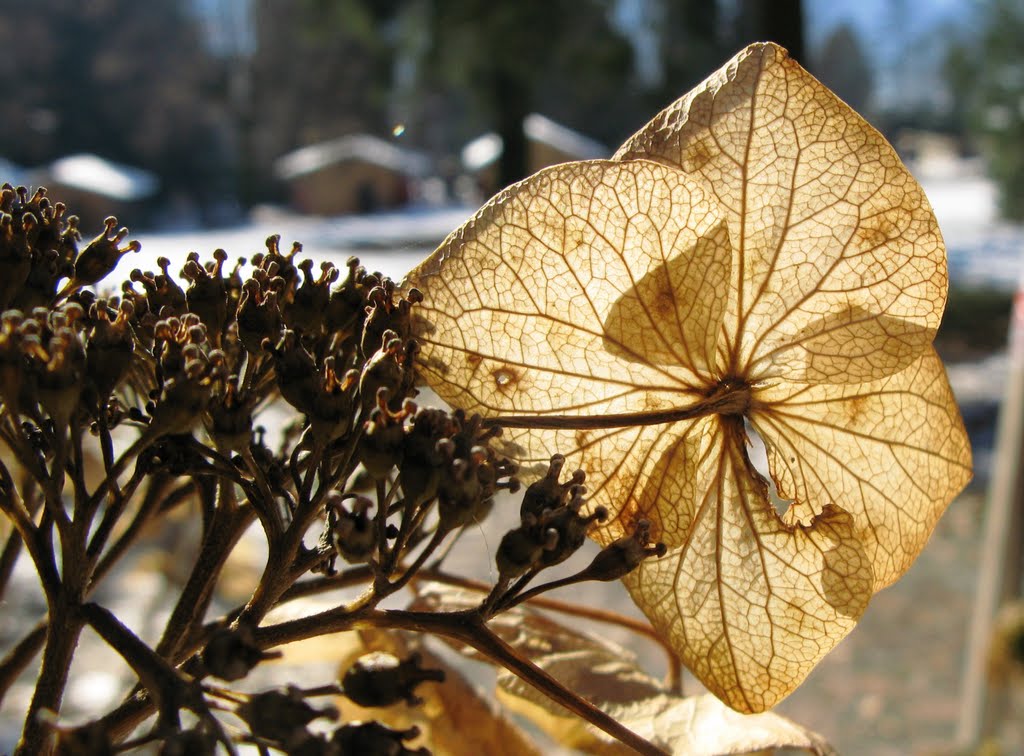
101,176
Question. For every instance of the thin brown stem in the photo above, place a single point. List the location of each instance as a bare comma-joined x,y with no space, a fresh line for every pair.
381,521
226,527
61,641
563,607
266,503
322,584
728,401
162,681
77,471
152,504
20,656
384,588
119,501
39,547
9,557
15,540
132,452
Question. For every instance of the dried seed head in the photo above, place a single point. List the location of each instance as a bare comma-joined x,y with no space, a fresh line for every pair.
258,315
570,526
295,371
383,440
381,679
548,493
350,531
520,549
111,347
623,555
375,739
230,414
308,306
422,458
196,741
207,294
331,413
100,257
231,653
281,715
346,308
389,369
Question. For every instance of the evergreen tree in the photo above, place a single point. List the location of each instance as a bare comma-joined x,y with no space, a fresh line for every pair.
129,81
319,70
560,55
692,42
987,78
779,21
842,66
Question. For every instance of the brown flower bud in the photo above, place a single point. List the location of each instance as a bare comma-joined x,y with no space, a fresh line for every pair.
351,532
380,679
99,257
281,715
110,349
548,493
623,555
375,739
231,653
207,294
308,306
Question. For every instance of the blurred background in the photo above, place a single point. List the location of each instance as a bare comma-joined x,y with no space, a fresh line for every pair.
199,106
376,127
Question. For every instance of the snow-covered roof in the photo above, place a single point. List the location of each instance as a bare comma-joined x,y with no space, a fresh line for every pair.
11,173
482,151
365,147
98,175
486,149
562,138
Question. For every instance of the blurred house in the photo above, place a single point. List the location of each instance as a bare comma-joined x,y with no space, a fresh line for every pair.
929,153
93,187
358,173
547,143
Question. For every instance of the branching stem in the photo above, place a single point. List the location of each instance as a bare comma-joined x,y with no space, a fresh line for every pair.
467,627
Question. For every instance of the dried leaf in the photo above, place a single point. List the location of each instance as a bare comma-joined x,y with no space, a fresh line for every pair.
840,269
607,675
454,718
777,270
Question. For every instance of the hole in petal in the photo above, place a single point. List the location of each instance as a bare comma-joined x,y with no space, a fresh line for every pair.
759,458
504,377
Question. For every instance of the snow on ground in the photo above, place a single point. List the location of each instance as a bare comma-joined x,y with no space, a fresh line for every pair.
391,243
982,250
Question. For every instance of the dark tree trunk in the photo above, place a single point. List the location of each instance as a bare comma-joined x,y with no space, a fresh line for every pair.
779,21
511,106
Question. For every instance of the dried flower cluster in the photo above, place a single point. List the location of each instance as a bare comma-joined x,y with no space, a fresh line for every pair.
166,382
